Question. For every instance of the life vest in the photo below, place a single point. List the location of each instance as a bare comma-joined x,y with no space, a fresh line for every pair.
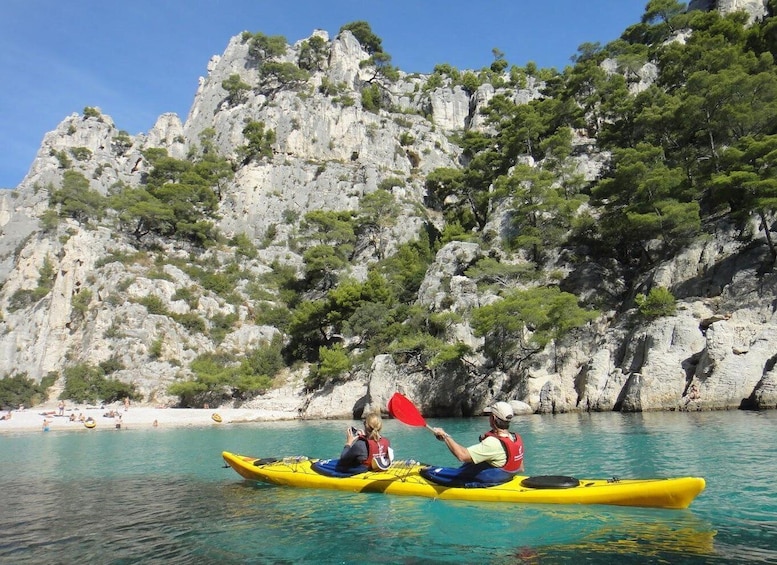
378,453
513,446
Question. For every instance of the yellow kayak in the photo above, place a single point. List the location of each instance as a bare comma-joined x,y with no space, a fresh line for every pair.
404,478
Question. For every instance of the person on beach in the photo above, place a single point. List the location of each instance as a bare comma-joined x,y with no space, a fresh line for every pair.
61,407
45,425
367,448
498,447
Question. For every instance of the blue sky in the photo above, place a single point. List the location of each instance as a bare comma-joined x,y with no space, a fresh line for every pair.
136,59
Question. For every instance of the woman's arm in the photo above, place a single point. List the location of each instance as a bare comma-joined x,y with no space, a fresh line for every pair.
354,454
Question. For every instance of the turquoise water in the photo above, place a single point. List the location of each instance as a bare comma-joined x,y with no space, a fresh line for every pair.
163,496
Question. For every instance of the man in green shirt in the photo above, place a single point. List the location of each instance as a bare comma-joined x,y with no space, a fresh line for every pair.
497,447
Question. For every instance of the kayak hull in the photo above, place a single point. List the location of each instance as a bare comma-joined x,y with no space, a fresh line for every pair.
403,478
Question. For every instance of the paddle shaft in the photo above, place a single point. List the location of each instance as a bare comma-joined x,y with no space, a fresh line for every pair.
431,429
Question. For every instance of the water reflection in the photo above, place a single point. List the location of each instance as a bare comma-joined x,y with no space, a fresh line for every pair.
638,540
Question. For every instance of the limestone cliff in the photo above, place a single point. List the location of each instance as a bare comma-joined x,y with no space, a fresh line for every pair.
329,151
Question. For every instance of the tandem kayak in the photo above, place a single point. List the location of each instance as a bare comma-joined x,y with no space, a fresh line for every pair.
404,478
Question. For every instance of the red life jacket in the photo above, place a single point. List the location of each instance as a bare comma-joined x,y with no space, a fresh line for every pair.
377,450
513,446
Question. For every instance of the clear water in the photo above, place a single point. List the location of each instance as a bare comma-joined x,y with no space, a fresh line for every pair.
163,496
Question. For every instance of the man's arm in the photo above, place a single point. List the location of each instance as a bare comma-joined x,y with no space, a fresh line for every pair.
459,451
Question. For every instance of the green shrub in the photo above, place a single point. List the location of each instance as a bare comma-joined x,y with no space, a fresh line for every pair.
329,88
189,392
85,383
112,390
216,282
371,98
90,112
391,182
276,316
155,351
81,301
659,302
258,142
121,142
269,235
20,389
124,284
154,305
115,331
158,273
237,89
25,297
258,292
333,362
187,295
221,377
221,325
191,321
77,200
345,101
81,153
49,220
64,160
290,216
112,365
244,246
406,139
47,273
121,257
266,360
470,82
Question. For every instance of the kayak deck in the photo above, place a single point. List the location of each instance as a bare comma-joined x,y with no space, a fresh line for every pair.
403,478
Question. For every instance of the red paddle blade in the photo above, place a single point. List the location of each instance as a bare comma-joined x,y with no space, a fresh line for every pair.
404,411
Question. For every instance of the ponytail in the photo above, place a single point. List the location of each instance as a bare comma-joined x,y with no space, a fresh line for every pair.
375,424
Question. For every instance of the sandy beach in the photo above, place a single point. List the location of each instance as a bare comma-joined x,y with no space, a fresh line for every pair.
133,417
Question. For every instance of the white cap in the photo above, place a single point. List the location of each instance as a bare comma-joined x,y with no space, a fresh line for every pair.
501,410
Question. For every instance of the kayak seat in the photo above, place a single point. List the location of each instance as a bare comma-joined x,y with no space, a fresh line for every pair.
467,476
333,468
550,481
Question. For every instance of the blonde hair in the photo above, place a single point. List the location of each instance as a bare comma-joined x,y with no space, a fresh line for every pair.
375,424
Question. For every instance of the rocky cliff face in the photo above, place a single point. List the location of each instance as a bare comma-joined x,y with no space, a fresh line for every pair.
756,9
716,352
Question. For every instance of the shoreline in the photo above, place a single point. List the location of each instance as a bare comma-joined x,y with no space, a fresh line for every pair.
37,418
